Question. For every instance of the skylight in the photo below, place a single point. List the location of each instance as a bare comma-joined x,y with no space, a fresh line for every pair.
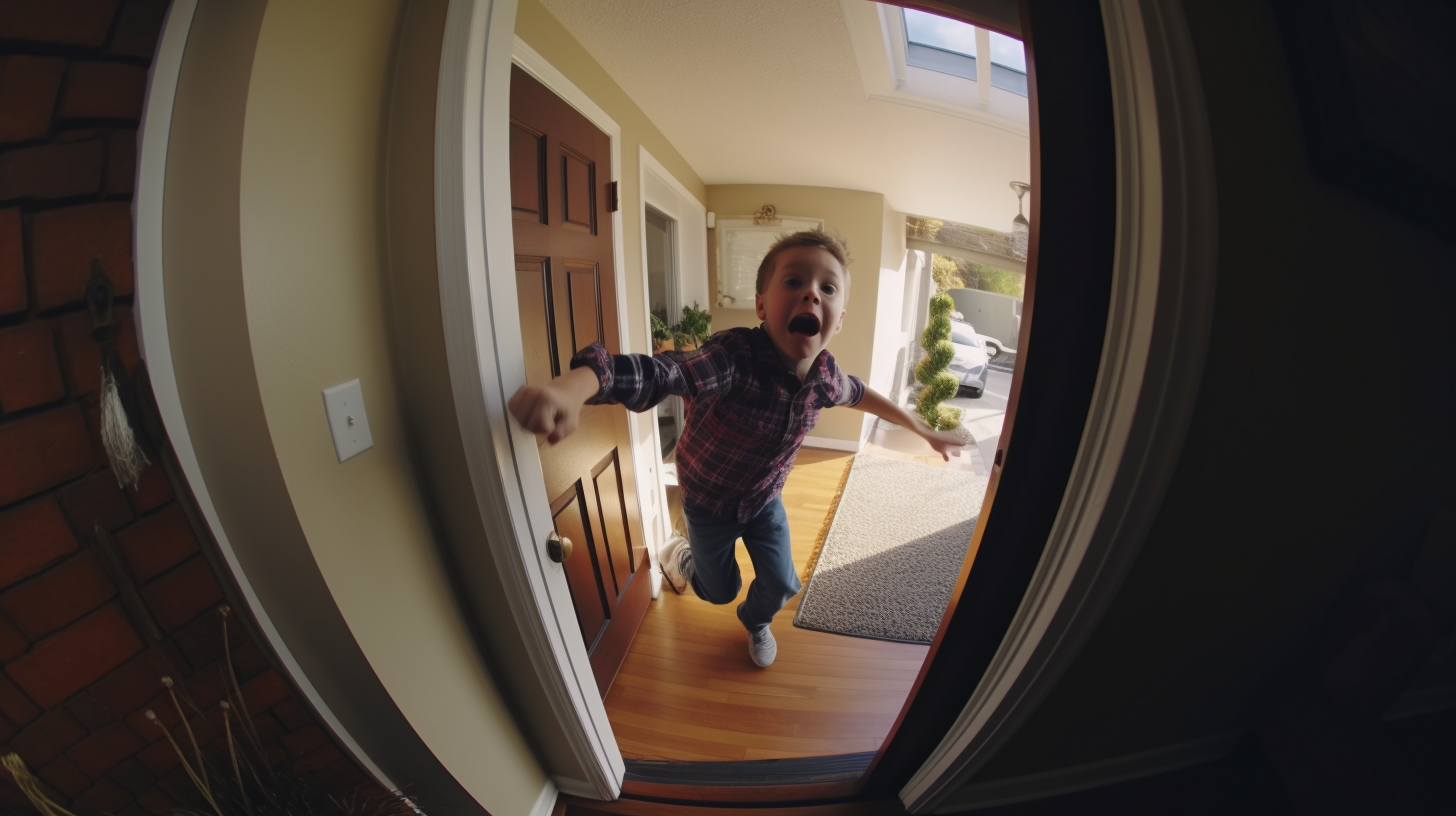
947,46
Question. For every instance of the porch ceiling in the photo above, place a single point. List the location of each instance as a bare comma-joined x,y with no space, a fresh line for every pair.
769,92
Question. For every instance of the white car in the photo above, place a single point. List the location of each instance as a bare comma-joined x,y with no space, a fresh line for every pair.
970,364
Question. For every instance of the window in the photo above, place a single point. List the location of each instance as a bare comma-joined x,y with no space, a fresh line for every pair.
924,61
949,47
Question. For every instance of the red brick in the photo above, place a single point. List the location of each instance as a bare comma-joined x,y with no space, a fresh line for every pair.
265,726
16,707
63,243
133,776
207,687
81,355
265,691
97,754
152,489
77,656
12,642
104,796
30,373
96,498
305,739
7,730
58,596
52,171
248,660
130,686
157,543
88,711
28,87
32,536
154,800
182,594
46,738
138,28
103,90
42,451
158,758
12,800
12,262
121,163
321,757
64,777
62,22
292,713
201,641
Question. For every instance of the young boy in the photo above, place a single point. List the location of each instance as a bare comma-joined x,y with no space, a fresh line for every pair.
751,396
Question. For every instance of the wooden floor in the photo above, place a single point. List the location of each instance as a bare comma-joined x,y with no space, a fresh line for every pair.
687,690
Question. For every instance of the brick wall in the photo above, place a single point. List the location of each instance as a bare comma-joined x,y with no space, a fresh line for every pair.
103,590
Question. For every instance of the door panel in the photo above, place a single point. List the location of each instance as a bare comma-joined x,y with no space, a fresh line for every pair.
533,291
566,288
568,512
528,173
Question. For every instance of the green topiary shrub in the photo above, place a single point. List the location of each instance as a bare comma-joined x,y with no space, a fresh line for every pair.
939,384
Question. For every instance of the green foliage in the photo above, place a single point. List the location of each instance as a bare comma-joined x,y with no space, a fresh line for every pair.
939,384
695,327
660,330
956,273
946,272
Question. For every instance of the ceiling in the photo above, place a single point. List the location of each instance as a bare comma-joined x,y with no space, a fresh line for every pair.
769,92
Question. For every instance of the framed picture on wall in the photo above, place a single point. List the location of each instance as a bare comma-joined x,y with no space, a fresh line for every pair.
742,243
1374,81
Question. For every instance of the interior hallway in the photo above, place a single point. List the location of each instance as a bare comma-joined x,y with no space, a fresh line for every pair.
687,690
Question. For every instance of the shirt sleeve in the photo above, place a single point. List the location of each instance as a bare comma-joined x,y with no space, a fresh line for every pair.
640,381
839,388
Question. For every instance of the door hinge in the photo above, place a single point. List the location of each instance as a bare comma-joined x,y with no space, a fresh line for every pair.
612,196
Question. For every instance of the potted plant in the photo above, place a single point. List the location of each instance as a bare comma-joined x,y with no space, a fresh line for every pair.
694,328
661,334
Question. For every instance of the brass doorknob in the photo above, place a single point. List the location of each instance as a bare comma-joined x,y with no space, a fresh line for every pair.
558,547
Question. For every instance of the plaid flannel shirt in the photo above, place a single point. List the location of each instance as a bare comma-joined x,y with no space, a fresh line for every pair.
746,415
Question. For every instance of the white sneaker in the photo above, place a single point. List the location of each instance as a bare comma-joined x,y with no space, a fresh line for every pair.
676,558
762,647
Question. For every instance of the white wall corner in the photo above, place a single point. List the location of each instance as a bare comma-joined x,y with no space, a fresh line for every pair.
546,802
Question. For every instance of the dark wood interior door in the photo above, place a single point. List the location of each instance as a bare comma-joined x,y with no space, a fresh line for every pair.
560,167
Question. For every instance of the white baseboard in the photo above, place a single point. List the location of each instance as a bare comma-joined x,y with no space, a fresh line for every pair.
851,445
546,802
575,787
1093,775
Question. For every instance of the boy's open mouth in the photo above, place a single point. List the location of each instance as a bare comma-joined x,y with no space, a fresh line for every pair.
805,324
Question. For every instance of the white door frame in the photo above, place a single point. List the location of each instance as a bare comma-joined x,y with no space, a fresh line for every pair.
661,189
1144,398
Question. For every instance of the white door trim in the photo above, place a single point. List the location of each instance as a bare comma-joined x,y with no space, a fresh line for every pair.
150,315
688,262
486,361
1147,386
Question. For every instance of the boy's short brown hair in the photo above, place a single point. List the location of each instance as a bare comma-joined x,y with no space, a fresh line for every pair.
827,241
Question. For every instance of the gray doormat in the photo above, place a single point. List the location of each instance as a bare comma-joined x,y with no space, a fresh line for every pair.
893,552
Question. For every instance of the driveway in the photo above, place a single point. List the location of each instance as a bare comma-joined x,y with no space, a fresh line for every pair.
983,416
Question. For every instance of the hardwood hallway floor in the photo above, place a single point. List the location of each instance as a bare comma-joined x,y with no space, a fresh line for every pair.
687,690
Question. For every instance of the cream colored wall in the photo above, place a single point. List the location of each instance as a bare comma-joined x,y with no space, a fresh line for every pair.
275,290
857,216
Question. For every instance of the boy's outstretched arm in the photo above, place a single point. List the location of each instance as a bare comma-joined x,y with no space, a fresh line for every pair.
945,443
554,408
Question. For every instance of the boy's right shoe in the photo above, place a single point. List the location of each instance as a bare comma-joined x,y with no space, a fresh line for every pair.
676,558
762,648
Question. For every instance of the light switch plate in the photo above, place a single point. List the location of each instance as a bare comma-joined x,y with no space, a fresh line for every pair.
347,420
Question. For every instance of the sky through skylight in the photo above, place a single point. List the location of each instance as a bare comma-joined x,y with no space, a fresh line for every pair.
950,35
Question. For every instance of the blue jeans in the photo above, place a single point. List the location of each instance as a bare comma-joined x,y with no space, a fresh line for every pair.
715,564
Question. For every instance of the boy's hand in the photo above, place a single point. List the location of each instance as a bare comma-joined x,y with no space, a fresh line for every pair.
554,408
945,443
543,409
